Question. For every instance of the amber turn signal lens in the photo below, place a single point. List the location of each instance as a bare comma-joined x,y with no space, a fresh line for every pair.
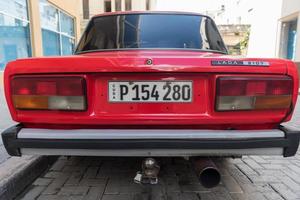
30,102
273,102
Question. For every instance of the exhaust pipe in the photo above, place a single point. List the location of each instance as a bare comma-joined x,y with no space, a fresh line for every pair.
207,172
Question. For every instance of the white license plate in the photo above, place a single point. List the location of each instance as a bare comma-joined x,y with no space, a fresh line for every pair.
150,91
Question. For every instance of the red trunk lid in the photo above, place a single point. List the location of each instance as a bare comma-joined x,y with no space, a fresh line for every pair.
99,68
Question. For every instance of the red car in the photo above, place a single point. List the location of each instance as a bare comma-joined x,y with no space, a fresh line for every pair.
151,84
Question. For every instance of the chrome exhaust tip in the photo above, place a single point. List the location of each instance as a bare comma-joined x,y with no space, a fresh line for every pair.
207,173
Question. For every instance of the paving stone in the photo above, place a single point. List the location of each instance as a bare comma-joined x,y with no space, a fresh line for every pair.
153,192
58,165
284,191
252,196
253,164
251,188
240,177
231,185
74,168
221,193
290,183
73,190
239,196
76,197
264,178
268,172
259,159
272,166
52,197
117,197
193,188
117,187
96,162
93,182
294,168
54,174
273,196
283,161
256,195
296,162
56,184
143,196
33,193
207,196
171,184
42,181
74,179
91,172
94,193
74,160
183,196
246,169
293,175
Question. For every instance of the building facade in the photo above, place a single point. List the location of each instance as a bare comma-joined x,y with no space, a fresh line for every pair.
289,38
37,28
236,37
94,7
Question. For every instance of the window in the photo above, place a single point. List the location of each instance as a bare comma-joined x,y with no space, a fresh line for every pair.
127,5
133,31
86,9
148,4
291,40
58,32
118,5
14,31
288,39
107,6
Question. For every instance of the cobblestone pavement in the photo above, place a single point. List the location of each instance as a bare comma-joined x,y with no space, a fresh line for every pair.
252,177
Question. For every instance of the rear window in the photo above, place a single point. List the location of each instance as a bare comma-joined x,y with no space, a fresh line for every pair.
151,31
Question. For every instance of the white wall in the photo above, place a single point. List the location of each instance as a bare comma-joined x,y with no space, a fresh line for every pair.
96,7
290,6
138,5
264,29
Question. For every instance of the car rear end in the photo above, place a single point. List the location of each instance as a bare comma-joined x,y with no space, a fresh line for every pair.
136,100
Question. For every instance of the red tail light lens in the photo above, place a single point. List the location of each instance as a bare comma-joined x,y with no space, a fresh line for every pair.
50,93
240,93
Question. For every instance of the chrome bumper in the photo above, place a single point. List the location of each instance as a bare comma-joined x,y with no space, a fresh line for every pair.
150,142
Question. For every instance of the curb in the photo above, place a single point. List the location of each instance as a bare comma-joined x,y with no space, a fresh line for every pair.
18,172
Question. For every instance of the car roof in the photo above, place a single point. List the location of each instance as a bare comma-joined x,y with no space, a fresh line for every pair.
149,12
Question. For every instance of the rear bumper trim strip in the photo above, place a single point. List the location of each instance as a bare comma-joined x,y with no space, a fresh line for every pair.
125,134
17,138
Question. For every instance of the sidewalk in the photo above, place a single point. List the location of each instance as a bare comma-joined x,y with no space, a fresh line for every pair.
5,122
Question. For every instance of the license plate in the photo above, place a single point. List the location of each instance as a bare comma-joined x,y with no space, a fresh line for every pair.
150,91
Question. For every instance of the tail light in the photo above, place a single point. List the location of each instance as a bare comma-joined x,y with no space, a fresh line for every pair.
49,93
240,93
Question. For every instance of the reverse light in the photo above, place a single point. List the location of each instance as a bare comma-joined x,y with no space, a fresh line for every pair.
49,93
253,93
